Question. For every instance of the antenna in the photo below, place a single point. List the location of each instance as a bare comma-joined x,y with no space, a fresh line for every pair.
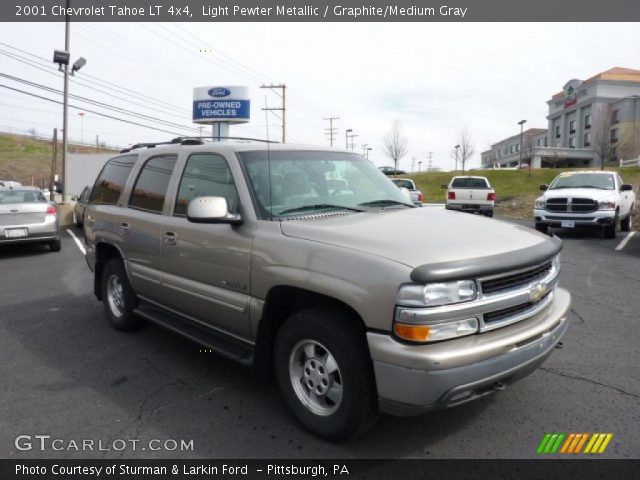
266,116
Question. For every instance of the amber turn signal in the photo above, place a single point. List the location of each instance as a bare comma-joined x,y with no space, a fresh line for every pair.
413,333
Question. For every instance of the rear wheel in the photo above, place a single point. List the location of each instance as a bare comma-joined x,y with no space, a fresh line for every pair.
118,297
55,245
324,371
610,230
489,213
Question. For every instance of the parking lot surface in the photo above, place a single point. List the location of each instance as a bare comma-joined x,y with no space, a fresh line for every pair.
66,373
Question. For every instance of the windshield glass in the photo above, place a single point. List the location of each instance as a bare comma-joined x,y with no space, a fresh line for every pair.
469,182
403,183
307,182
583,180
21,196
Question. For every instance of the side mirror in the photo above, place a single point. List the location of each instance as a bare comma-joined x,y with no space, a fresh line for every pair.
444,186
544,187
625,187
211,210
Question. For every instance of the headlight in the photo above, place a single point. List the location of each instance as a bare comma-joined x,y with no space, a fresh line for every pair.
541,203
436,294
606,205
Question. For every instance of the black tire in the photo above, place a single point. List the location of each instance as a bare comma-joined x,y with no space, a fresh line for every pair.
610,230
489,214
334,332
119,306
625,224
55,245
541,227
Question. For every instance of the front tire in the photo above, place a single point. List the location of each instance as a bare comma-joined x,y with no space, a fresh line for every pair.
324,371
610,230
118,297
542,228
625,225
55,245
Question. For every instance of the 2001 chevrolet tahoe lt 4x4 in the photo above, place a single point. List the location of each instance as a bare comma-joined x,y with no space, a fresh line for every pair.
302,262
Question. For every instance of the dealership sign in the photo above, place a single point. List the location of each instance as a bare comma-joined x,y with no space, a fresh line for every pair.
221,104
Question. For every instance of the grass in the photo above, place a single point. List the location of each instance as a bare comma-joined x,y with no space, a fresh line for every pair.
28,159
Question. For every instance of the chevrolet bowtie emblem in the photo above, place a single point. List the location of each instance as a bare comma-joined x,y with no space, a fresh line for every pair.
537,292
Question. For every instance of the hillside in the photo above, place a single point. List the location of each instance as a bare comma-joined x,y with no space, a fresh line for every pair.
25,158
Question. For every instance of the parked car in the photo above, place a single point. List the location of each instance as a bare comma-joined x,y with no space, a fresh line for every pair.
391,171
596,199
470,194
9,184
254,250
416,195
26,216
81,203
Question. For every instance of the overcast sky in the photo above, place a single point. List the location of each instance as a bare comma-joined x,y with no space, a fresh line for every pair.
436,78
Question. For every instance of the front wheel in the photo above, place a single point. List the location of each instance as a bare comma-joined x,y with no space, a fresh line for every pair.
541,227
118,297
625,224
324,371
610,230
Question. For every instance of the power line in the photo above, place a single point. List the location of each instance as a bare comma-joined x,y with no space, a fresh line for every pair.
282,87
331,131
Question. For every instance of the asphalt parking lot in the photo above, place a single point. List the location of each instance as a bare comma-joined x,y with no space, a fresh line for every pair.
66,373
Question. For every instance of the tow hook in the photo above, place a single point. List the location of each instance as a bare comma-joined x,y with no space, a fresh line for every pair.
498,386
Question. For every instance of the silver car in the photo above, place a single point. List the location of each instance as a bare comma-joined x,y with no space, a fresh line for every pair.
26,216
302,262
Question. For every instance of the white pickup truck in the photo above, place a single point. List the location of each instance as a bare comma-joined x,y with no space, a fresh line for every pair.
597,199
470,194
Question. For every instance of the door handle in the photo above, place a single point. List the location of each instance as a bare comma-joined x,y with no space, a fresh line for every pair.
170,238
124,228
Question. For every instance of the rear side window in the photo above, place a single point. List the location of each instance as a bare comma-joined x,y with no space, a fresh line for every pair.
111,180
151,186
206,175
404,184
470,183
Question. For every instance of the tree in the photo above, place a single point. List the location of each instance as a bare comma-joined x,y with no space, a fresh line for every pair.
395,143
629,144
466,150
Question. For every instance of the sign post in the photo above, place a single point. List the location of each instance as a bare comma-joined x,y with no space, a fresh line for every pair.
220,107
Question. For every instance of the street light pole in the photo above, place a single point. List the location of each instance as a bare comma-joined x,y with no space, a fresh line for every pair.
457,147
521,123
81,127
346,137
368,150
65,105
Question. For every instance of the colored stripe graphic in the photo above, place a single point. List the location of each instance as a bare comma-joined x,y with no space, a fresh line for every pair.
572,443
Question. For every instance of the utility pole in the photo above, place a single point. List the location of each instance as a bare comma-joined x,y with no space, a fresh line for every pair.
65,105
283,96
430,161
54,151
331,131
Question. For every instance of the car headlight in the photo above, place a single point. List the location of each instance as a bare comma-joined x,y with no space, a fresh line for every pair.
541,203
436,294
606,205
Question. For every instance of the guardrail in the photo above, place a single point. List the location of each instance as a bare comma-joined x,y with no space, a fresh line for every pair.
633,162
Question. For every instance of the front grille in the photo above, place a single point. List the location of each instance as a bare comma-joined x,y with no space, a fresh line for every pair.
554,217
515,279
581,205
498,315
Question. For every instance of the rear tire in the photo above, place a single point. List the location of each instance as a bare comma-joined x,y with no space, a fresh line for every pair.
489,214
610,230
118,297
542,228
324,371
55,245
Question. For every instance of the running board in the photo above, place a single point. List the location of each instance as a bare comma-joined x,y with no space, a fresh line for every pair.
218,342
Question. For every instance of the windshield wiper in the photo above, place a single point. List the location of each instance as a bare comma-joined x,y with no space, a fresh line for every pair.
317,206
375,203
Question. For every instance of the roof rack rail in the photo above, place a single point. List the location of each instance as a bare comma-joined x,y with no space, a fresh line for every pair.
192,141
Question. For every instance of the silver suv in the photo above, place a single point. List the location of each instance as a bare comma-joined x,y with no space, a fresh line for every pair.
302,262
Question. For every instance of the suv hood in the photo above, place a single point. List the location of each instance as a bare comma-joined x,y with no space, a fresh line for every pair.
593,193
417,236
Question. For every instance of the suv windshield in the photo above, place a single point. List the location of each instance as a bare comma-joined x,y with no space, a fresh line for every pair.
295,183
21,196
583,180
469,182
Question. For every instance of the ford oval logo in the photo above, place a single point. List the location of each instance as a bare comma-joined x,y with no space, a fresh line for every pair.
219,92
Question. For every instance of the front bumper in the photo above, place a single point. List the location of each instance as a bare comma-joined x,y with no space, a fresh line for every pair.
598,218
412,379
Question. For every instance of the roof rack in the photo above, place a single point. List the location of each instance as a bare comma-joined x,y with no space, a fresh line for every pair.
192,141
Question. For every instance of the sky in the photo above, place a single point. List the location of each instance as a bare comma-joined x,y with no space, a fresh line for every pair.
436,78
